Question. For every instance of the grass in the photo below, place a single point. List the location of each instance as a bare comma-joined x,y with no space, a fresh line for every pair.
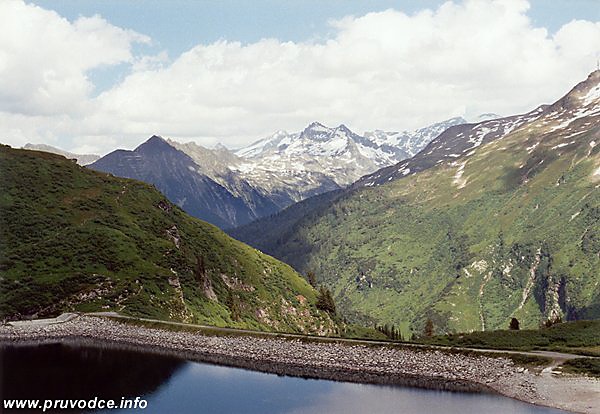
423,248
573,337
75,239
586,366
354,331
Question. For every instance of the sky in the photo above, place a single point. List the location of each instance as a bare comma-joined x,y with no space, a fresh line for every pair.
93,76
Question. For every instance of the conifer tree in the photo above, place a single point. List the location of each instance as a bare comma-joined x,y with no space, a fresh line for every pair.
325,300
428,330
312,278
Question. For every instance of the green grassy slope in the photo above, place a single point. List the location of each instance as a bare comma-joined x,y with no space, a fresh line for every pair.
75,239
579,337
511,229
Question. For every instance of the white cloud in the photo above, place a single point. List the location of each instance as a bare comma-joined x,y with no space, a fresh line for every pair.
385,70
44,62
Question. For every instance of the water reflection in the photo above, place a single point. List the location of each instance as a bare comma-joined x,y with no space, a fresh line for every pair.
174,386
68,371
201,388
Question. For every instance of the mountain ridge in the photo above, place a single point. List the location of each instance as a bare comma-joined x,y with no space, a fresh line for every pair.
77,239
508,228
178,177
230,189
337,151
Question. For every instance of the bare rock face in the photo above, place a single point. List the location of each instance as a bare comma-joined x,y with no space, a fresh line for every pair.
173,234
204,280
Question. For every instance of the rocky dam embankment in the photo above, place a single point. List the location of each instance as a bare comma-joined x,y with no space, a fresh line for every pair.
343,361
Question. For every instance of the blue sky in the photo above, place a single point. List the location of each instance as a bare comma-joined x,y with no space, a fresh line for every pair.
178,25
175,68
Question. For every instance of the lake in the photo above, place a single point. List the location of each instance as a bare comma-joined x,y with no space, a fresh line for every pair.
171,385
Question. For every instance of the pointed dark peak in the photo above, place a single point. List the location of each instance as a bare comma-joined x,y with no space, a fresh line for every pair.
351,134
315,126
316,131
156,143
156,139
344,128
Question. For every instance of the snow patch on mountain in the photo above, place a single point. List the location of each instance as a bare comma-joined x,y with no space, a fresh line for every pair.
408,143
575,113
593,96
303,158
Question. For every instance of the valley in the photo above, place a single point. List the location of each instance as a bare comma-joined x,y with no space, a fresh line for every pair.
300,207
476,234
483,222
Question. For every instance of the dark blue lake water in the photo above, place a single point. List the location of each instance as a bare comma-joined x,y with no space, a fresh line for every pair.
170,385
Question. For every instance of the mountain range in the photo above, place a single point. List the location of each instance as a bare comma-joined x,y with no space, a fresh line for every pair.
491,220
74,239
460,225
177,176
230,189
297,161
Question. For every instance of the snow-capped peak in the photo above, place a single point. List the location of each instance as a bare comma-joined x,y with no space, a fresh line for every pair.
318,132
337,154
408,143
263,145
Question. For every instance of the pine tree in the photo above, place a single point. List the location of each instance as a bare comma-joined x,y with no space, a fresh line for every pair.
514,324
312,278
428,330
235,307
325,301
